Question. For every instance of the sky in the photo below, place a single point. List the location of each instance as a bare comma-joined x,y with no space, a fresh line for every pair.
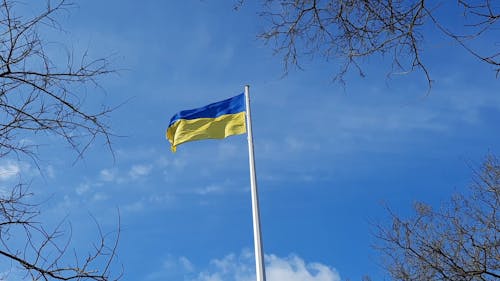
330,158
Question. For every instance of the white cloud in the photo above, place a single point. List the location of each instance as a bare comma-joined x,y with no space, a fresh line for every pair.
100,196
241,267
294,268
82,188
152,201
107,175
119,176
183,263
173,268
162,199
138,171
186,264
209,190
9,170
177,163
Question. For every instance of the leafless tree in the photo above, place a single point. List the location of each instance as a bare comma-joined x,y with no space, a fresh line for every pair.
345,31
40,95
36,253
461,241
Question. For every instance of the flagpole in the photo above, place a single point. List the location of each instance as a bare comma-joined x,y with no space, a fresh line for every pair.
259,256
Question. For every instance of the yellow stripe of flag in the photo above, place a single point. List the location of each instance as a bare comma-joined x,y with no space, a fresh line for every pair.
214,121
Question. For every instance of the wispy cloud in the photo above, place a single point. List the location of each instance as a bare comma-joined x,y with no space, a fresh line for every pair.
138,171
182,263
100,196
9,170
107,175
163,199
82,188
135,172
209,189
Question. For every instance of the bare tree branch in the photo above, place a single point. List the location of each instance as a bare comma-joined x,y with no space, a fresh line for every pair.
38,96
347,31
461,241
42,254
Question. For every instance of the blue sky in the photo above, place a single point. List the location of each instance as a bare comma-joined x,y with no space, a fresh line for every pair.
329,159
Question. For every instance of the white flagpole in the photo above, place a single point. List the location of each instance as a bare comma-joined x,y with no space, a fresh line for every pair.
259,256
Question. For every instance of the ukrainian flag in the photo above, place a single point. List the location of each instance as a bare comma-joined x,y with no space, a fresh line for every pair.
214,121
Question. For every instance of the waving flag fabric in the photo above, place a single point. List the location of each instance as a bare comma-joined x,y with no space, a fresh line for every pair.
214,121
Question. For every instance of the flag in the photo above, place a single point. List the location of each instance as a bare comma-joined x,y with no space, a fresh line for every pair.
214,121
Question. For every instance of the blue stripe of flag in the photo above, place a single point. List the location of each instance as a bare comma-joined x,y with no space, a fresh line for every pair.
232,105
